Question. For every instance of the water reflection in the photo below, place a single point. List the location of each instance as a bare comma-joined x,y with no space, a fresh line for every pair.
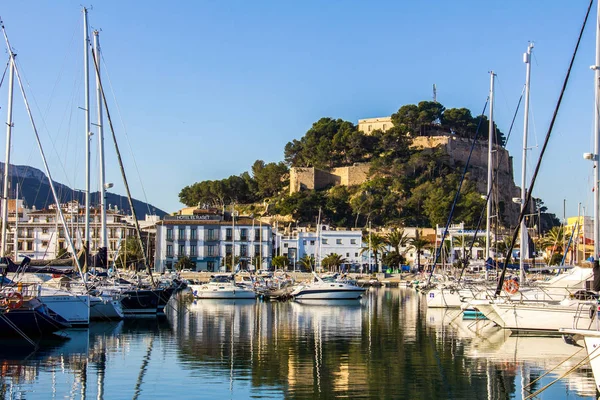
387,345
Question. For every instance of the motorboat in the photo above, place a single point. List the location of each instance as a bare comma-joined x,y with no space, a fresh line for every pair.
327,289
222,286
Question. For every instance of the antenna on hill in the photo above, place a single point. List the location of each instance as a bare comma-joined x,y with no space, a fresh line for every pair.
434,94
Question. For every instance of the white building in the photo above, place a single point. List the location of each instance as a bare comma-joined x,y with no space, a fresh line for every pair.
207,237
41,236
321,243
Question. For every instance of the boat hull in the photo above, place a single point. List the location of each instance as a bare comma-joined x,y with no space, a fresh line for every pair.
326,294
102,308
75,309
209,292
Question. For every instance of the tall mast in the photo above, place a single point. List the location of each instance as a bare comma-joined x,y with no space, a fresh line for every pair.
596,69
523,238
490,167
103,234
16,235
9,125
50,180
233,238
86,68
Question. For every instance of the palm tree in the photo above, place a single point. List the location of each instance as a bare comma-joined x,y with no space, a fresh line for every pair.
376,244
280,261
307,262
397,238
554,238
333,260
419,243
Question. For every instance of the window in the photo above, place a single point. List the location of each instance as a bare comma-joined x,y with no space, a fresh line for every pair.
347,254
210,265
181,250
181,233
355,254
29,232
193,233
243,250
212,235
285,245
369,128
324,241
244,234
228,235
112,233
338,241
44,243
312,242
256,234
384,126
193,250
352,241
304,242
170,234
44,230
212,250
29,245
257,250
228,248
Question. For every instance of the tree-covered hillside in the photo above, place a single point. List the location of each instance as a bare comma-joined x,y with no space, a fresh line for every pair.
406,186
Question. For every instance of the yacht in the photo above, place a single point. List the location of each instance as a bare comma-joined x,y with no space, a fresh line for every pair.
327,289
222,286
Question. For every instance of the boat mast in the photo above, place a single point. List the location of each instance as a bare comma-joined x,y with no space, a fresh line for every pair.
596,69
489,172
16,235
103,234
9,126
233,238
86,68
44,161
523,238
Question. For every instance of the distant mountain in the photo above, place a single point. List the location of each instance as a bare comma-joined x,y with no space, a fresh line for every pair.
34,187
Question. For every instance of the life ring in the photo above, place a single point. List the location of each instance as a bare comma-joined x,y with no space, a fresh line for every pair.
511,286
13,300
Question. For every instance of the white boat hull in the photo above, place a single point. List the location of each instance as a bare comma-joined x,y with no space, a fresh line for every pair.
537,316
226,292
103,308
74,308
307,293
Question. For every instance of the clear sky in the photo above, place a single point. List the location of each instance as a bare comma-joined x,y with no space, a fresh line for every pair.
204,88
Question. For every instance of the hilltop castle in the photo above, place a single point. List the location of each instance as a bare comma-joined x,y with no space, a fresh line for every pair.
455,147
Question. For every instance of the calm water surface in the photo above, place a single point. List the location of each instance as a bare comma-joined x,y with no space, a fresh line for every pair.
386,346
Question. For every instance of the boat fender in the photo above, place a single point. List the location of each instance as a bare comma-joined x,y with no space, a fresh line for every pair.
592,312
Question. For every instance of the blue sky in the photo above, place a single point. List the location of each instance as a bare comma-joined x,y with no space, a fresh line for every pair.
207,87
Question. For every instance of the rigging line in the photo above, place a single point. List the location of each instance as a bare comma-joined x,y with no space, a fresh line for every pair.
120,160
4,74
125,131
457,195
44,125
62,68
539,162
494,179
41,150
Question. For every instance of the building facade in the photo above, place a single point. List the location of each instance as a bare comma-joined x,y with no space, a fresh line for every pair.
321,243
209,238
39,234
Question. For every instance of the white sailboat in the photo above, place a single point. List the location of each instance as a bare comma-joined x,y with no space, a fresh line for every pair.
222,286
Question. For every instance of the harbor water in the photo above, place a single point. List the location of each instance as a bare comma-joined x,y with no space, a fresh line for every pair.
387,345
